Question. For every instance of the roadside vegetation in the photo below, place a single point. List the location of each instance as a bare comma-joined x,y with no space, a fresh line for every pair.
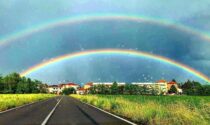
195,88
14,83
8,101
160,110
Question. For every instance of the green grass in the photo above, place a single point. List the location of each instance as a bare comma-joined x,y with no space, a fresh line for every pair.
8,101
159,110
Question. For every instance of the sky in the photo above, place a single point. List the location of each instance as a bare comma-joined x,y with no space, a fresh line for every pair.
173,43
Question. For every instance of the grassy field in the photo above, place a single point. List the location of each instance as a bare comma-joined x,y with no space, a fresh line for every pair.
8,101
164,110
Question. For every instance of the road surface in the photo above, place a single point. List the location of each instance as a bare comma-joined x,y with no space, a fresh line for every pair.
61,110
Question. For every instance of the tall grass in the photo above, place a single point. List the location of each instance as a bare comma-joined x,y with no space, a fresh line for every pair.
158,110
8,101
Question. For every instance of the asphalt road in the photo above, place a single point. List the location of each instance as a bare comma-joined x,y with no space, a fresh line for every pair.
67,111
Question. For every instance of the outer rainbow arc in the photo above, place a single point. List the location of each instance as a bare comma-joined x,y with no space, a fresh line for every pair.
116,51
79,19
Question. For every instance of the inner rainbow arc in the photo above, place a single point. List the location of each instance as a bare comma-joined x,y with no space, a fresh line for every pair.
116,51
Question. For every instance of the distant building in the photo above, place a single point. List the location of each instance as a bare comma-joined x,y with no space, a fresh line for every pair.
53,89
81,91
57,89
70,85
169,84
103,83
108,83
162,81
88,85
161,86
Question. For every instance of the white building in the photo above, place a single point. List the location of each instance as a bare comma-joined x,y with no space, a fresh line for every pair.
159,86
69,85
81,91
53,89
57,89
108,83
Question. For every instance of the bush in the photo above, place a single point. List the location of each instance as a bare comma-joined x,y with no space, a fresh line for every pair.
172,89
68,91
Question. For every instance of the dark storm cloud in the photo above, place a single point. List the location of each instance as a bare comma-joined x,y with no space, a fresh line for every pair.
150,38
199,21
168,42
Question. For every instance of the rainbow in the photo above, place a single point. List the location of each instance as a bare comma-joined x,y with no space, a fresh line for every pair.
97,17
116,51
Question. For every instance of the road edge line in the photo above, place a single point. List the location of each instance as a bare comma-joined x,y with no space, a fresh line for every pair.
125,120
50,114
15,108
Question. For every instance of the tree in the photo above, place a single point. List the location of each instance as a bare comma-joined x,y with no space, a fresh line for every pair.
135,89
101,89
114,88
173,89
42,88
140,90
132,89
107,90
68,91
173,80
34,86
1,84
121,89
144,90
23,86
29,82
206,90
128,89
154,91
93,90
11,82
192,88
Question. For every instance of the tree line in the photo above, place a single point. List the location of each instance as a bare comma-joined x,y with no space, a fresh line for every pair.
188,88
195,88
14,83
129,89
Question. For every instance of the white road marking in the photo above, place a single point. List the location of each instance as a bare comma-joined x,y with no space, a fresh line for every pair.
50,114
110,114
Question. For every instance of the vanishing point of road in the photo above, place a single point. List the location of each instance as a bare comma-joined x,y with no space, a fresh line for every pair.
62,110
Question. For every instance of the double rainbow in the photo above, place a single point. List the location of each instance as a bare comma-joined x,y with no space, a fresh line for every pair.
103,17
119,52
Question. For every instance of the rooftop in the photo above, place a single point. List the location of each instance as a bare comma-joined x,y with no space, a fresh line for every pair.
172,82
